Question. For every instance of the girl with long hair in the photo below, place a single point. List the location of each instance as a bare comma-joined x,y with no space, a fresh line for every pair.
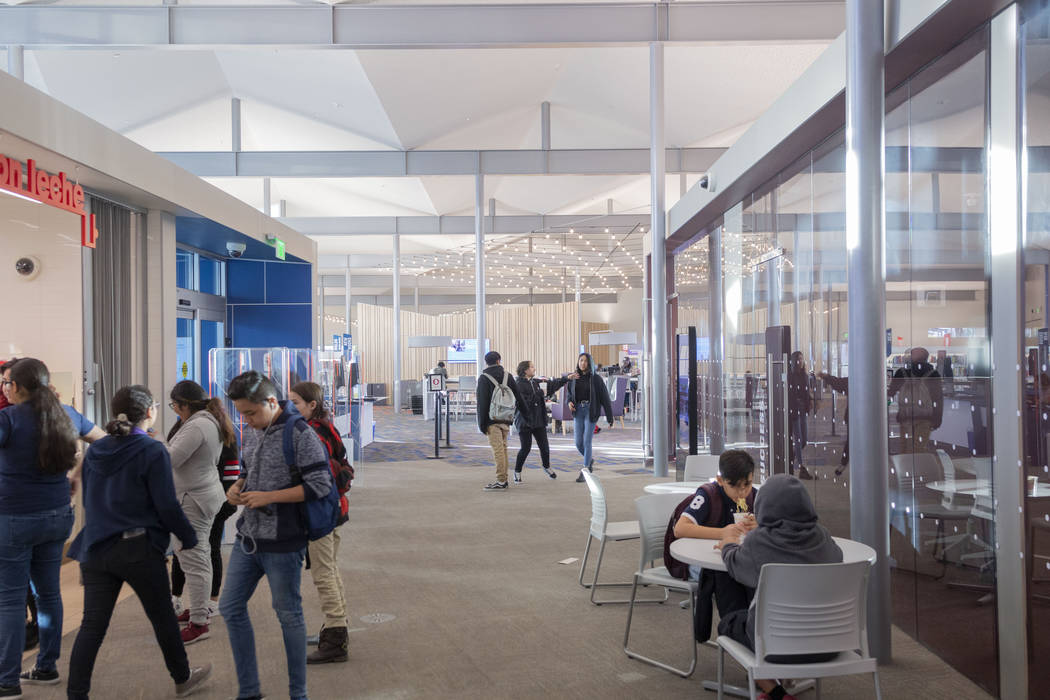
38,448
333,642
195,450
588,397
531,422
131,514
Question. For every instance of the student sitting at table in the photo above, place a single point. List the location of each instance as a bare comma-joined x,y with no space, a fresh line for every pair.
706,515
787,533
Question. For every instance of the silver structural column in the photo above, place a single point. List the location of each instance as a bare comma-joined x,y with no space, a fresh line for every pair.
645,383
716,420
479,264
1005,217
267,201
579,312
658,182
397,323
866,243
235,127
16,65
346,295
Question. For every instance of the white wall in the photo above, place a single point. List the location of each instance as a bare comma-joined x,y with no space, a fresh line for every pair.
624,315
43,317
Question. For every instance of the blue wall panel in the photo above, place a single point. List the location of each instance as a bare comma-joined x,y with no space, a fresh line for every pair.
245,282
288,283
273,325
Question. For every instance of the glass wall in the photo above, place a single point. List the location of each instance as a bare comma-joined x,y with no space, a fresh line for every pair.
786,344
1036,342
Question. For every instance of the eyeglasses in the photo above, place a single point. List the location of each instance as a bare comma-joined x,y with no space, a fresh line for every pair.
6,382
173,406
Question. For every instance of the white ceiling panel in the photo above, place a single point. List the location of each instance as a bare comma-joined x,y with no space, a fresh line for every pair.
204,126
364,196
268,127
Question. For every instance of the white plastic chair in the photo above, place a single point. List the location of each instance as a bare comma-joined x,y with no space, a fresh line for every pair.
807,609
654,512
701,467
603,531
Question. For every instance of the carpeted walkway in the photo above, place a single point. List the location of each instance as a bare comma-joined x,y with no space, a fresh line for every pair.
458,593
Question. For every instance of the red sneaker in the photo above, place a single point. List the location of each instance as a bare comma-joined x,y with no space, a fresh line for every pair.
194,633
184,616
597,430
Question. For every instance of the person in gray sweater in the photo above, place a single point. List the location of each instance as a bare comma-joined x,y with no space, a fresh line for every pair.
194,450
787,533
271,532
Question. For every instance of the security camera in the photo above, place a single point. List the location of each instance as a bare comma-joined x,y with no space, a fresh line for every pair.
27,268
707,182
235,250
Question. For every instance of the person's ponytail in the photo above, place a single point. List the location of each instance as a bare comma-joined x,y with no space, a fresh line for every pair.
131,406
57,451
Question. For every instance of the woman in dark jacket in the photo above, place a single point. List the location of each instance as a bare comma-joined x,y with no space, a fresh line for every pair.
130,515
532,421
588,396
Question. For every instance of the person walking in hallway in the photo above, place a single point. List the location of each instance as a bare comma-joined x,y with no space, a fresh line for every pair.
131,513
497,400
531,422
799,405
38,451
921,403
588,397
333,643
195,450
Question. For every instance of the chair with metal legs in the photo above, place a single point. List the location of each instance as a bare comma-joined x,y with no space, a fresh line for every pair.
654,512
604,531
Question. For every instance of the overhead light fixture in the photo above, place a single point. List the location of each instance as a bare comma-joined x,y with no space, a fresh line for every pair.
20,196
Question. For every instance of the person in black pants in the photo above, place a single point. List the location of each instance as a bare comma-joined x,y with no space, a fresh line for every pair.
130,515
531,421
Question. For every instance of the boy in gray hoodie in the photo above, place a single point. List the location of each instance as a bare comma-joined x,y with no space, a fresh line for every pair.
787,533
271,535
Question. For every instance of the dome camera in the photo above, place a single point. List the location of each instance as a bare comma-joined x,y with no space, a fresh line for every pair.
235,250
707,182
27,267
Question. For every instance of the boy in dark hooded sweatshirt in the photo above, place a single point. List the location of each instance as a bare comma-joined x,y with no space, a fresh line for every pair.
787,533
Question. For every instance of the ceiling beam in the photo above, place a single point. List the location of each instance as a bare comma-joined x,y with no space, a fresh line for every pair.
462,225
613,161
411,27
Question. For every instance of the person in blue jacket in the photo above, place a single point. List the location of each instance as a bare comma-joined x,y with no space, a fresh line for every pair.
38,449
130,515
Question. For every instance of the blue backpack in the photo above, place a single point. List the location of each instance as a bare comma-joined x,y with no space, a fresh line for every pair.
321,515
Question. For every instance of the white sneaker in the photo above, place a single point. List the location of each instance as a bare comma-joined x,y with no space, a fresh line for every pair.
176,602
213,609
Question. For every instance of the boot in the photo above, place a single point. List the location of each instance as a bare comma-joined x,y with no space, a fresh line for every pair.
332,647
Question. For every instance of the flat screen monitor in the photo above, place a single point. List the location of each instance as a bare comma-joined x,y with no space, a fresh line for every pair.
465,350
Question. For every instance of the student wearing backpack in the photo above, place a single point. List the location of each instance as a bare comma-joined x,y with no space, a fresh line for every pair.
588,397
333,642
709,514
921,403
284,479
498,400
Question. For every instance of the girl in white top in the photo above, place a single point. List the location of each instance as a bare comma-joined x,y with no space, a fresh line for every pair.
195,450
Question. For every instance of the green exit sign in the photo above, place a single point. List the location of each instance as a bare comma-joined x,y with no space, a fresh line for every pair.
278,246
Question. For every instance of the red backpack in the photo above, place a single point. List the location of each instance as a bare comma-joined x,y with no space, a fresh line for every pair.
342,471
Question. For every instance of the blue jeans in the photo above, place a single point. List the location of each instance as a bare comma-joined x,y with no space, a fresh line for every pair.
283,571
30,556
583,431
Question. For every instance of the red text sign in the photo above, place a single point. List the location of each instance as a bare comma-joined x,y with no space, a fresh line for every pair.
56,190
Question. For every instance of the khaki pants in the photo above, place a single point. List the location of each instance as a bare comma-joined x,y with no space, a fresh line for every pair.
498,441
915,436
324,568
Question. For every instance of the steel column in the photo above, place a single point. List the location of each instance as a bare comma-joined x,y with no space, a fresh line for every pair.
647,365
479,264
1006,217
579,311
266,197
545,126
866,243
397,323
235,127
16,61
716,417
658,275
346,297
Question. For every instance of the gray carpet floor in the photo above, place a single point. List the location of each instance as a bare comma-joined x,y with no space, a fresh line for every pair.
459,593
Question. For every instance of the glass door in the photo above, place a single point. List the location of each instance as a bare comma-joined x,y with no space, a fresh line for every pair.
186,346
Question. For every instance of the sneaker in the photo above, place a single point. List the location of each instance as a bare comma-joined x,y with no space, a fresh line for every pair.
184,617
38,677
496,486
597,430
194,633
213,609
517,477
197,677
803,473
10,691
550,472
579,479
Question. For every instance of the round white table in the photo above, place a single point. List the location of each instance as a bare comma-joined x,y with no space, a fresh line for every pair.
682,487
983,488
703,553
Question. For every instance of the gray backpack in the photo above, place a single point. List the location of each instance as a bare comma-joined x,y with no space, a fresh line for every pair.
503,405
